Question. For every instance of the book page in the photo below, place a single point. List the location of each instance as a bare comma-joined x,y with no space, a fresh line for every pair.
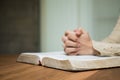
60,55
45,54
80,62
80,57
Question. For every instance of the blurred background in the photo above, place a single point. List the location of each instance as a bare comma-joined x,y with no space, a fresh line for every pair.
38,25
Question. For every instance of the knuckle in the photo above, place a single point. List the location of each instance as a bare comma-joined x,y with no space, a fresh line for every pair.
64,39
67,42
68,35
67,32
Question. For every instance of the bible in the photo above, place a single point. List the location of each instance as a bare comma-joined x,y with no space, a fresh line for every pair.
59,60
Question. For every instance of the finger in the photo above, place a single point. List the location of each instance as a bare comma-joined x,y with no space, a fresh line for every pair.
75,53
72,36
70,43
67,32
78,31
64,39
70,50
83,30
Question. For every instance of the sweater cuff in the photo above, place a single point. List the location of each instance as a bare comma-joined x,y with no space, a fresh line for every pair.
106,49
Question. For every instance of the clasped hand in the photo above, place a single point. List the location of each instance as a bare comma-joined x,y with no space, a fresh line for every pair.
77,42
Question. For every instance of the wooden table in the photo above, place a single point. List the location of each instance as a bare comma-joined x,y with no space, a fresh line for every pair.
12,70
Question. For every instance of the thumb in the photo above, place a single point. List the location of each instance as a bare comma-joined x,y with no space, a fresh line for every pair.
78,31
83,31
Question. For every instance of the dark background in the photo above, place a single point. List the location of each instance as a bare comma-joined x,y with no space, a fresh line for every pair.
19,26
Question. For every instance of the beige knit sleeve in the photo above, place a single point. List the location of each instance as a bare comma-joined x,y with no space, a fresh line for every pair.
107,49
110,46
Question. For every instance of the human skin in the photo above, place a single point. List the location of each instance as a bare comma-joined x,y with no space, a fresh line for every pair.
78,42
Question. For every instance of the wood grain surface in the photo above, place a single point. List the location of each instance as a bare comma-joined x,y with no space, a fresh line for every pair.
12,70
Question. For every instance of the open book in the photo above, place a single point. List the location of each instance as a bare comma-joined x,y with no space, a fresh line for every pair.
60,60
